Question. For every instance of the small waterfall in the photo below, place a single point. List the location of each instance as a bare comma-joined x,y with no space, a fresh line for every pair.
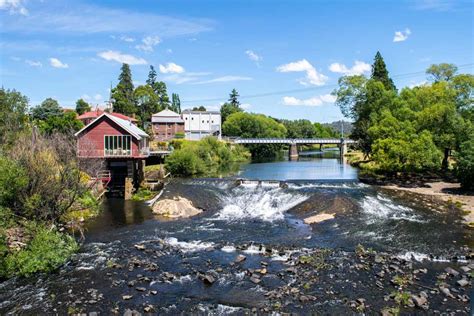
267,203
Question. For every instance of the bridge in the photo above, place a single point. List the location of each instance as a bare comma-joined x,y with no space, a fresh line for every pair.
294,142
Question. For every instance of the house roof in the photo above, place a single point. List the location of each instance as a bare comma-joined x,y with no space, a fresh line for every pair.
166,113
97,113
134,130
202,112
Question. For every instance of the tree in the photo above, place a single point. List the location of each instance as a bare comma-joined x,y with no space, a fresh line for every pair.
230,107
46,109
122,94
175,103
380,72
151,81
13,115
465,164
248,125
147,103
442,72
66,123
163,99
82,107
299,128
199,108
233,98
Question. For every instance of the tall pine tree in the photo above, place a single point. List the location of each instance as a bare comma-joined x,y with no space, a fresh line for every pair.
380,72
231,107
151,81
122,94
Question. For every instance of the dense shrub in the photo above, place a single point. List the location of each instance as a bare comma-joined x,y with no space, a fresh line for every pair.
45,252
465,164
203,157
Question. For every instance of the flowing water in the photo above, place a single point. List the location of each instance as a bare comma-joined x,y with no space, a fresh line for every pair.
160,263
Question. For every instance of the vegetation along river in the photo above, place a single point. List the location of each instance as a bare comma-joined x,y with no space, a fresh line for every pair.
251,250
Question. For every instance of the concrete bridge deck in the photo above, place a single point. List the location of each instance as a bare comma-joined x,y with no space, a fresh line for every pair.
290,141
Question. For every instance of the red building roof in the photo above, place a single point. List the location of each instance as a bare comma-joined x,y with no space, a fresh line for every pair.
97,113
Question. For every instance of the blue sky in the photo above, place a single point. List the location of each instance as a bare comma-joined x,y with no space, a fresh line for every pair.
284,57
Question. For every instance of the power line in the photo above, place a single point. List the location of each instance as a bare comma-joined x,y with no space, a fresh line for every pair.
266,94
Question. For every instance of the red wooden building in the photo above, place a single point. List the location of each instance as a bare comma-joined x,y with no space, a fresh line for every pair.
120,143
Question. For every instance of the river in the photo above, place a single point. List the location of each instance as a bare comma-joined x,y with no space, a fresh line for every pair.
250,250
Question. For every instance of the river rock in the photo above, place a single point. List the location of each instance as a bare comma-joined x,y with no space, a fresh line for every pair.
462,282
318,218
240,258
175,208
420,301
451,271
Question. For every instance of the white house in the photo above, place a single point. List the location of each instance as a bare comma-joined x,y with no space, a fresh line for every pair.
199,124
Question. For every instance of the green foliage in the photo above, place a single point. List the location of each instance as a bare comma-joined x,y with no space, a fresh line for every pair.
122,94
465,164
143,195
249,125
231,107
380,72
147,102
175,103
203,157
13,181
442,72
179,135
82,107
299,128
199,108
64,123
13,115
48,108
46,252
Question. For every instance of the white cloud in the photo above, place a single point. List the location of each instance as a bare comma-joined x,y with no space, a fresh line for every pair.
13,6
246,106
359,68
148,43
225,79
56,63
253,56
169,51
98,97
401,36
314,101
313,77
61,17
185,77
435,5
116,56
33,63
417,84
127,39
85,97
171,68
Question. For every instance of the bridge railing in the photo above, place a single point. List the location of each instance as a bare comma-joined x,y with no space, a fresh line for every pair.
293,141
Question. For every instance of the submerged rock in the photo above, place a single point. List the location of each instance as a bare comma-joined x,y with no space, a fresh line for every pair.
176,208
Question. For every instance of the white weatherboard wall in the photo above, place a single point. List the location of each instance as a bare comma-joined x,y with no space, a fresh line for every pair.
199,124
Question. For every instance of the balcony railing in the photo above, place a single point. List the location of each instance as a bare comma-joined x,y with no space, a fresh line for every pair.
117,152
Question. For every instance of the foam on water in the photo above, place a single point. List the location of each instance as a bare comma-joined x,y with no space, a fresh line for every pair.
382,208
267,204
188,246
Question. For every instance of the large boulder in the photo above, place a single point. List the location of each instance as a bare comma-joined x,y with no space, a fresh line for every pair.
175,208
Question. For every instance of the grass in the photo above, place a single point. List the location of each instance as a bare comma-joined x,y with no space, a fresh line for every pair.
143,195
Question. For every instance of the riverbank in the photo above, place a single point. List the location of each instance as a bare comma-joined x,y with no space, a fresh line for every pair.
445,192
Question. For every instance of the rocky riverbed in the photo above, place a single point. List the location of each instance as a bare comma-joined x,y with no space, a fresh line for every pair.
250,251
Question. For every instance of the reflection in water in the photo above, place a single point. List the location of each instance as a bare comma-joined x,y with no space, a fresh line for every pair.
310,166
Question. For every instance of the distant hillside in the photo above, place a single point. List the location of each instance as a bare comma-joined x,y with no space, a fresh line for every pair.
336,126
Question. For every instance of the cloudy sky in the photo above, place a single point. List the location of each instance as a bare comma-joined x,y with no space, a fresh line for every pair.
284,57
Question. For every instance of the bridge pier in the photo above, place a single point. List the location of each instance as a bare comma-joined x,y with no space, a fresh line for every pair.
293,151
343,148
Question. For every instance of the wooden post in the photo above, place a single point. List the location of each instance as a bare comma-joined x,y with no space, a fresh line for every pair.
293,152
128,188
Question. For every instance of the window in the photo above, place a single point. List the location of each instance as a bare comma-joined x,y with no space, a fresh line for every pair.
117,145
